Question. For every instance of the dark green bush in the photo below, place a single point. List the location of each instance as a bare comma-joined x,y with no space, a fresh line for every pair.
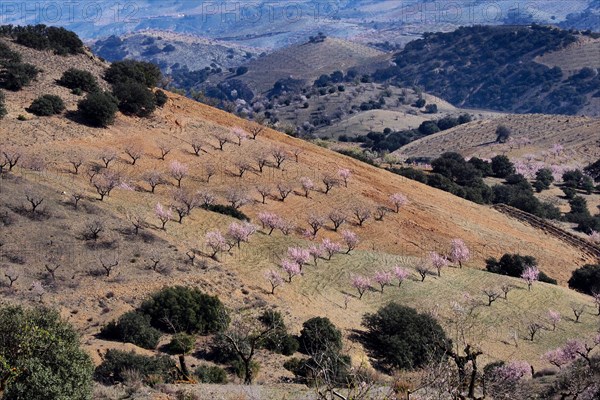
543,179
42,37
400,337
186,310
510,264
240,369
132,327
586,279
161,98
134,98
335,365
145,73
211,374
228,210
98,108
14,76
40,356
502,166
47,104
318,335
117,363
181,343
7,55
74,78
280,341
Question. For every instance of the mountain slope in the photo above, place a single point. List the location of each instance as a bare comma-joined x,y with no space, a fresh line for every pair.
87,298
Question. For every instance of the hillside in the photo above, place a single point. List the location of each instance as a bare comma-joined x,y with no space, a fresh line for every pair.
495,68
31,241
306,62
532,134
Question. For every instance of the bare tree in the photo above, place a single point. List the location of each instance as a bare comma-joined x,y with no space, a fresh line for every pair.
280,155
284,190
137,221
164,149
108,264
242,166
423,269
330,182
361,213
76,198
380,212
210,171
12,275
255,131
296,152
91,230
105,182
51,268
107,156
12,157
261,160
92,171
76,161
264,190
492,294
222,138
135,152
337,218
205,198
316,222
533,328
34,198
506,287
237,197
578,310
197,145
153,178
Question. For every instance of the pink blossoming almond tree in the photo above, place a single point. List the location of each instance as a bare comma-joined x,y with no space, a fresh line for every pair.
299,255
269,221
163,214
274,278
240,134
350,239
178,171
291,268
307,185
459,252
240,232
330,247
383,278
361,284
530,275
398,200
316,252
216,242
401,274
344,175
438,261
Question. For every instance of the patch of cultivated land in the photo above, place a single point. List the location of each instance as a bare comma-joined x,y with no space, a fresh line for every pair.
532,134
430,220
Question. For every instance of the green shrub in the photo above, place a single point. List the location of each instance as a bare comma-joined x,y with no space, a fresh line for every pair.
228,210
240,369
74,78
502,166
182,343
117,364
280,341
586,279
318,335
40,356
15,76
145,73
161,98
510,264
42,37
98,108
21,117
132,327
134,98
400,337
47,104
7,55
336,366
187,310
211,374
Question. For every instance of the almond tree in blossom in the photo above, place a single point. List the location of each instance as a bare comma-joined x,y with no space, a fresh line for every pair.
554,317
240,232
316,252
556,150
298,255
265,191
275,279
307,185
344,175
163,214
269,221
331,247
291,268
350,239
316,222
383,278
236,197
153,178
398,200
216,242
362,284
240,134
337,218
438,261
210,170
530,275
401,274
459,252
205,198
178,171
330,182
286,227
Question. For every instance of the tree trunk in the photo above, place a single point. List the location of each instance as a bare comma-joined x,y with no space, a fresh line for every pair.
184,368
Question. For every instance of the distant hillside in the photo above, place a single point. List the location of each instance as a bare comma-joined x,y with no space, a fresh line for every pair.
188,60
532,135
306,62
495,68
